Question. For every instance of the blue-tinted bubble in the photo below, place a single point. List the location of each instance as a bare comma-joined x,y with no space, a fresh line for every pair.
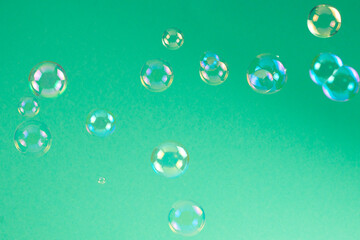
170,159
186,218
342,85
156,75
323,66
266,74
28,107
100,123
209,61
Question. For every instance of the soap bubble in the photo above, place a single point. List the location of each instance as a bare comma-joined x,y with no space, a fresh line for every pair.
28,107
100,123
324,21
156,75
173,39
212,70
323,66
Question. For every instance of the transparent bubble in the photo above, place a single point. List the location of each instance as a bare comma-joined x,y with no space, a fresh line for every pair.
342,85
266,74
28,107
48,79
324,21
102,180
173,39
323,66
100,123
33,138
209,61
170,159
186,218
156,75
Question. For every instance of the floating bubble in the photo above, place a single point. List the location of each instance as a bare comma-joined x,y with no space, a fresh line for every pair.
33,138
170,159
212,70
28,107
100,123
209,61
342,85
324,21
102,180
48,79
186,218
156,75
323,66
173,39
266,74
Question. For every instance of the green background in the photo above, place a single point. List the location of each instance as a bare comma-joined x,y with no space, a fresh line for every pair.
263,167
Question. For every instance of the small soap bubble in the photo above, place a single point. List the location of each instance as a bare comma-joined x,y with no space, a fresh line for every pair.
342,85
324,21
156,75
48,80
173,39
186,218
32,138
170,159
100,123
209,61
323,66
101,180
28,107
266,74
212,70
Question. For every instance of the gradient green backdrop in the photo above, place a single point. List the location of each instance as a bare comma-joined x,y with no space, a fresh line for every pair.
263,167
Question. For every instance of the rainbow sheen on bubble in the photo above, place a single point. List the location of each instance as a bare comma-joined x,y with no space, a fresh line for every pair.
48,80
101,180
170,159
156,75
323,66
343,85
32,138
100,123
324,21
28,107
266,74
212,70
173,38
186,218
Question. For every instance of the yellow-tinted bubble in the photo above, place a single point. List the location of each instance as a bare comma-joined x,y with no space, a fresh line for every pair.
324,21
101,180
173,39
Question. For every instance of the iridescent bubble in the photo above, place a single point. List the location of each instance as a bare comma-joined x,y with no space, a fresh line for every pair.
266,74
342,85
209,61
101,180
156,75
324,21
186,218
213,71
48,79
323,66
170,159
100,123
173,39
28,107
33,138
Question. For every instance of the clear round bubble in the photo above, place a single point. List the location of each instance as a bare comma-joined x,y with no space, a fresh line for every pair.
32,138
323,66
209,61
324,21
170,159
215,76
100,123
28,107
266,74
173,38
156,75
48,80
186,218
342,85
101,180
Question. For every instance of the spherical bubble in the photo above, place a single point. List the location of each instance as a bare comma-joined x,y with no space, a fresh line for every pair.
100,123
28,107
324,21
266,74
156,75
101,180
323,66
32,138
209,61
342,85
170,159
173,39
215,76
186,218
48,79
